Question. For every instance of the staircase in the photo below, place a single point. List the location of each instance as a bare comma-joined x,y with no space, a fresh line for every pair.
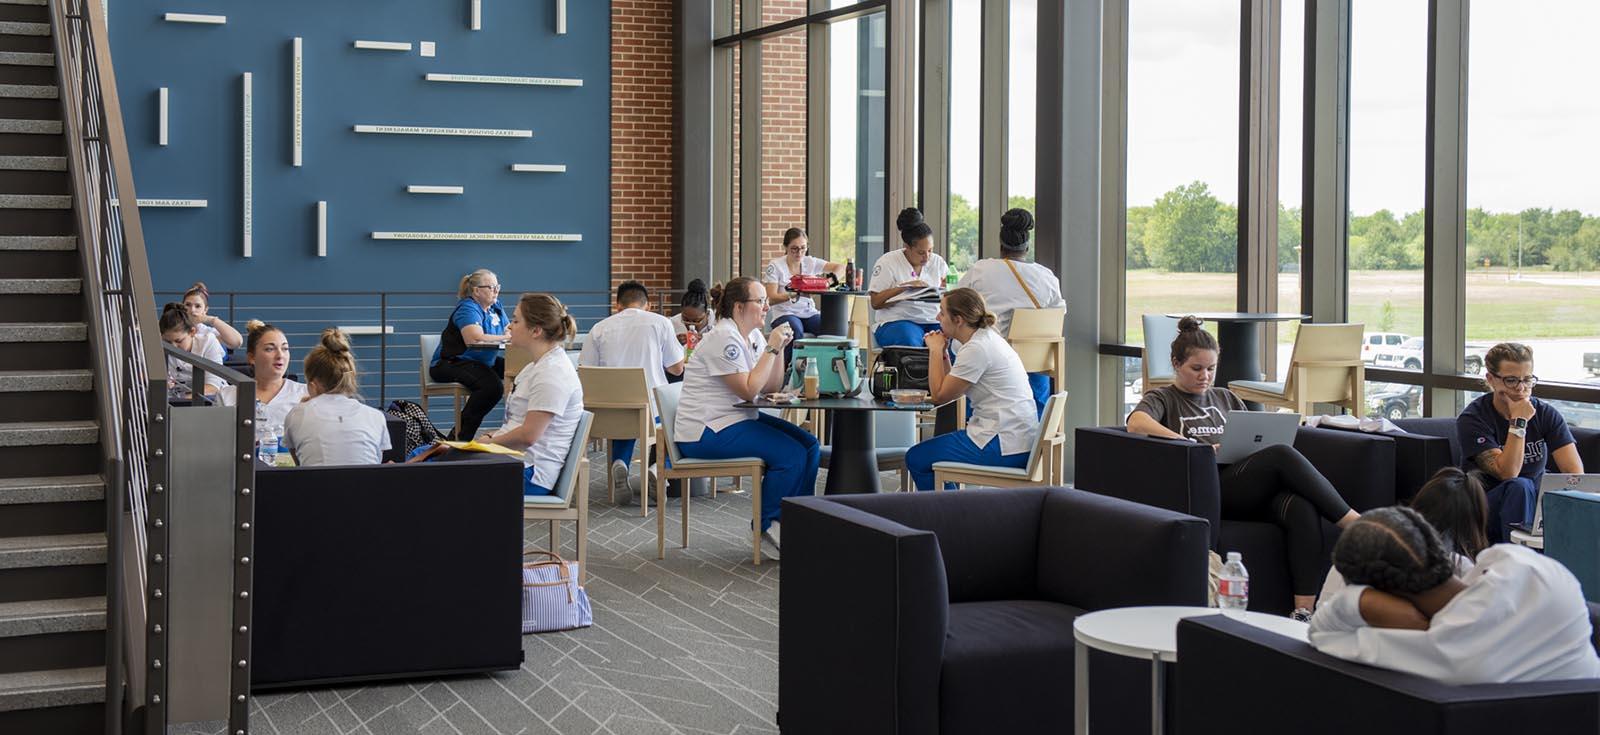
53,551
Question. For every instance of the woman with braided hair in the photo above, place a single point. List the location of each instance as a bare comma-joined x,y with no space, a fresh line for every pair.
1515,617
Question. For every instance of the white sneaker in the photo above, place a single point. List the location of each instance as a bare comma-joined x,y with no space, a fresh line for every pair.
619,478
770,539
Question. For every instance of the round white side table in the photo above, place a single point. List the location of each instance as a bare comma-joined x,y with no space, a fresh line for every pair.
1523,538
1149,633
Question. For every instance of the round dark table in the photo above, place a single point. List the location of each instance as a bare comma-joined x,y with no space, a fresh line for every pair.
853,465
835,308
1241,347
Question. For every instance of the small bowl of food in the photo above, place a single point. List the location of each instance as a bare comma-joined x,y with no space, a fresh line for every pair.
908,395
781,397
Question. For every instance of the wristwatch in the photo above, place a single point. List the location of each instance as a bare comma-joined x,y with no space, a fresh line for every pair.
773,350
1519,427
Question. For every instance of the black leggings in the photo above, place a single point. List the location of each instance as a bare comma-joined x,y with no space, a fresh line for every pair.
1278,484
485,384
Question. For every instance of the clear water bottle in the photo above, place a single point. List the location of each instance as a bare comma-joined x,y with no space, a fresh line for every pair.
266,437
1233,591
283,450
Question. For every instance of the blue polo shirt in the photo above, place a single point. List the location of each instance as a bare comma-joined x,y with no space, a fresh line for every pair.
1480,428
469,312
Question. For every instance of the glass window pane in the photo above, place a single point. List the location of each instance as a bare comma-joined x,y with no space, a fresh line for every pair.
1183,144
966,109
1023,116
1533,229
856,138
1393,400
1388,126
1291,99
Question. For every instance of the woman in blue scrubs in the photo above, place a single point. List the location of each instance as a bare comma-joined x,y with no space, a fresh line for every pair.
1003,426
901,279
463,355
731,365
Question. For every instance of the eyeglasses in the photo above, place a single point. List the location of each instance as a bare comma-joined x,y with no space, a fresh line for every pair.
1513,382
495,288
763,301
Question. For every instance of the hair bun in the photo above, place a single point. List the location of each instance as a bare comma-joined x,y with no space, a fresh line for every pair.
253,325
174,306
697,286
1015,225
335,340
908,219
1189,323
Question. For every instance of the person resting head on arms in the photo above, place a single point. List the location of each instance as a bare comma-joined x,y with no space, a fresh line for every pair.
179,329
268,351
333,426
198,301
1517,616
1452,502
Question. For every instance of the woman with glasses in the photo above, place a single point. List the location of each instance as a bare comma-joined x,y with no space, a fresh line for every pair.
733,364
1512,437
795,309
469,351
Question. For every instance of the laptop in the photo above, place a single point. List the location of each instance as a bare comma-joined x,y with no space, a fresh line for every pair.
1551,482
1248,432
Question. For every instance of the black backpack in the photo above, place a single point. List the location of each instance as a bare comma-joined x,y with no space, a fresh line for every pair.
420,432
911,363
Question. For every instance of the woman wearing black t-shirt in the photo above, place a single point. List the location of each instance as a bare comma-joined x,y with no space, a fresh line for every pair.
1276,483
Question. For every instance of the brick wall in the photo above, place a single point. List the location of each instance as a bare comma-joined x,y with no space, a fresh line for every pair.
783,134
641,142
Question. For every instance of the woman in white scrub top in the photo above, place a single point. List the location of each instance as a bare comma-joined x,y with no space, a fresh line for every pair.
900,276
333,426
546,401
1009,282
1003,426
198,301
268,351
179,329
731,366
1517,616
796,310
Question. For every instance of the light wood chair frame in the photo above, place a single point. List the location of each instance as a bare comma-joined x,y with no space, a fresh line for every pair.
729,469
427,387
576,510
619,398
1302,373
1046,463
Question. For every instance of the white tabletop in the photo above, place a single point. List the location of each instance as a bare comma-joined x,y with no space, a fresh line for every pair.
1142,632
1523,538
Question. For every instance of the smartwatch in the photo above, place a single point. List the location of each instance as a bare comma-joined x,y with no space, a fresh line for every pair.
1519,428
773,350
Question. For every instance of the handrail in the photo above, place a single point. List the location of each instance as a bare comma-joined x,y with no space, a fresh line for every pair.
124,346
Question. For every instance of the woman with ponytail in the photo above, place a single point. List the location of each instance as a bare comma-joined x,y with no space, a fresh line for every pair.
268,351
468,351
1010,282
180,329
1003,426
1516,616
1276,484
901,279
332,426
198,301
546,399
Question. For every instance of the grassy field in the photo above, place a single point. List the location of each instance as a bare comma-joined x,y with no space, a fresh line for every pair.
1540,305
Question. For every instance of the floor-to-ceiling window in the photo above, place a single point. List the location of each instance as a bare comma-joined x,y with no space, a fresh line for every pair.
855,138
966,120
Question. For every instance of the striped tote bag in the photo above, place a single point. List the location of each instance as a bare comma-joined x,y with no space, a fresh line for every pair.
551,597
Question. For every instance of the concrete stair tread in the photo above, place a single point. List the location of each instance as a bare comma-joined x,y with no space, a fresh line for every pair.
19,28
63,489
73,549
33,163
27,381
38,286
25,58
38,243
54,688
43,617
48,433
30,91
43,332
33,127
35,201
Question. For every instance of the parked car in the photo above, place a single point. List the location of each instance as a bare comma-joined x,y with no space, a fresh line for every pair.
1591,362
1375,342
1408,356
1394,401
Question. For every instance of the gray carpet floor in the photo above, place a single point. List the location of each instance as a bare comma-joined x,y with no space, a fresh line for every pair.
687,644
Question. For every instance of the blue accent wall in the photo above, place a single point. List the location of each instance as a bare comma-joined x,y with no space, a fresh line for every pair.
363,176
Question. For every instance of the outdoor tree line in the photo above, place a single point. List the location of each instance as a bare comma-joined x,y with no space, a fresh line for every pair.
1189,229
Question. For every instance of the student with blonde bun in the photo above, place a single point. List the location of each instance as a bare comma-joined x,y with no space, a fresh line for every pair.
198,301
268,351
332,426
1003,426
179,329
546,401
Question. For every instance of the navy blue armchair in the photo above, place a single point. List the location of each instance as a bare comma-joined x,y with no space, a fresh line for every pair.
1182,476
1256,681
952,612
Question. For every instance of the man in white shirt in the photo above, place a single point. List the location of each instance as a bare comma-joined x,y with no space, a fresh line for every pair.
905,284
633,337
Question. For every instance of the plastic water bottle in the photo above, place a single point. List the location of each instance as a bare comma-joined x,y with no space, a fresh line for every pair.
283,451
1233,591
266,437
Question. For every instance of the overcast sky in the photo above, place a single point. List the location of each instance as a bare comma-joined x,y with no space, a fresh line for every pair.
1533,109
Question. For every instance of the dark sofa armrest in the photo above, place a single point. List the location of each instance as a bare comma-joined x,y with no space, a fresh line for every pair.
1149,555
863,611
1360,465
1292,686
1416,458
1166,473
